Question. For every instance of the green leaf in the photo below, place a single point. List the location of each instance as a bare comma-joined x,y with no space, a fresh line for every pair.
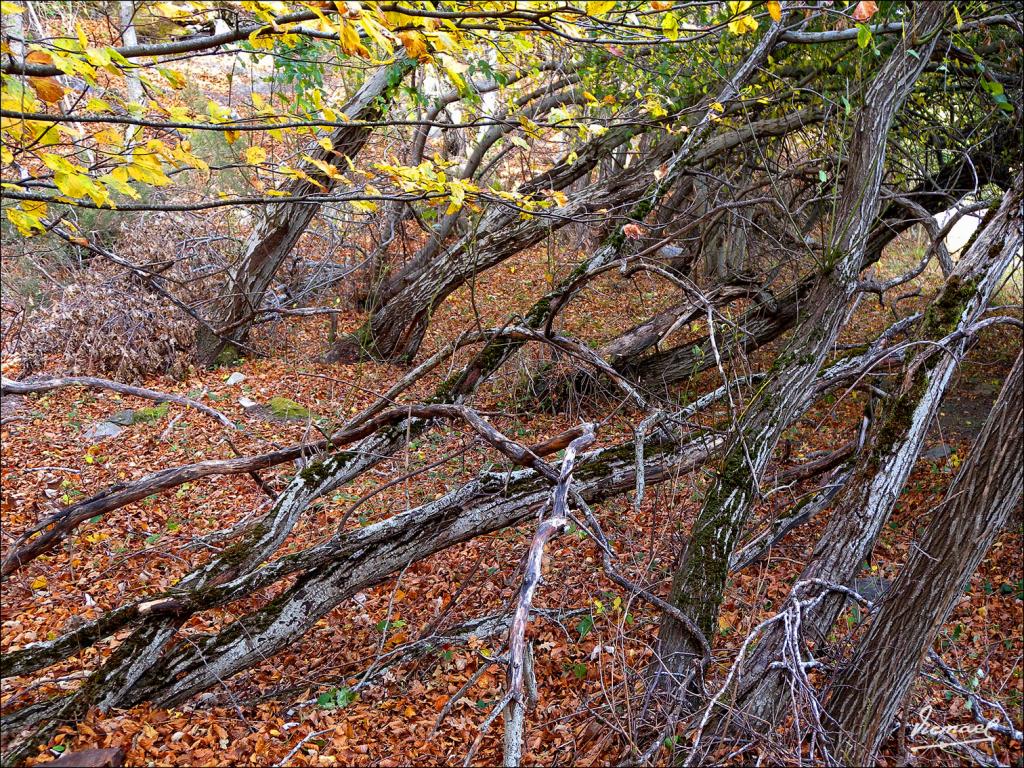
863,35
336,698
153,539
586,624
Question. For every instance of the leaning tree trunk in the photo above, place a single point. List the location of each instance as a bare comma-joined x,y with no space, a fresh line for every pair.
283,223
366,554
143,669
986,163
886,463
560,94
699,582
867,693
396,331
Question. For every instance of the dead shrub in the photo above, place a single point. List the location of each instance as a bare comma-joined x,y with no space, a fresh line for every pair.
109,326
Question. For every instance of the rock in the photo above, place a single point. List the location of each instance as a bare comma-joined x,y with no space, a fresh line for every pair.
235,378
151,414
124,418
112,757
101,430
938,452
247,403
286,408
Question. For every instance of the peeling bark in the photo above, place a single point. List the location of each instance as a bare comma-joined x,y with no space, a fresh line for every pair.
866,502
868,692
700,580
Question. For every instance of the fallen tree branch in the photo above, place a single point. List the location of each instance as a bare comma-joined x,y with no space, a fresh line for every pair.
519,659
57,526
12,387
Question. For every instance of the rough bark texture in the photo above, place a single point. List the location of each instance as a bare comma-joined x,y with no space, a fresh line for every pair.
699,582
282,224
987,163
396,331
142,670
866,501
867,694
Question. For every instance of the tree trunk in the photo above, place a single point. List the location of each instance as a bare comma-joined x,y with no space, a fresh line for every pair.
396,330
142,670
282,224
379,295
867,693
886,463
699,582
986,163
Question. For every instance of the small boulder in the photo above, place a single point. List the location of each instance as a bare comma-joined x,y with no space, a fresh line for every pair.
235,378
101,430
286,408
938,452
124,418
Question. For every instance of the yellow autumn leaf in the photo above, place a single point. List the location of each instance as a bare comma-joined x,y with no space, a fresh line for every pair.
255,155
670,26
36,208
559,197
741,24
116,184
26,224
74,185
6,8
39,582
415,45
363,206
600,8
775,10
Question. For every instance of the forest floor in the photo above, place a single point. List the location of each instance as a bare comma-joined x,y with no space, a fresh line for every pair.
587,661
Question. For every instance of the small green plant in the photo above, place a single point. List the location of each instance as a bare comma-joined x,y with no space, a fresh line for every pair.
384,626
336,698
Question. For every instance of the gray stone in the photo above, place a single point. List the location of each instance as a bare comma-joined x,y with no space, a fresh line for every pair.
235,378
102,430
247,404
124,418
938,452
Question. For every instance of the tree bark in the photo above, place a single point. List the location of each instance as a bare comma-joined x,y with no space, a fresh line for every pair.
866,501
986,163
868,692
282,224
396,330
699,582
